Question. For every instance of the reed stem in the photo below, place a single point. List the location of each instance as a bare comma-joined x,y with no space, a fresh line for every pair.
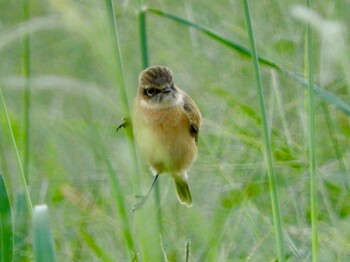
312,144
267,141
119,80
26,72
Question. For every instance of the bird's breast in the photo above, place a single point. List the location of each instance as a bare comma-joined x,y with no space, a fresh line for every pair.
164,138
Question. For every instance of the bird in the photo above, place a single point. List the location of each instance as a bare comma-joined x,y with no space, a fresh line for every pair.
166,123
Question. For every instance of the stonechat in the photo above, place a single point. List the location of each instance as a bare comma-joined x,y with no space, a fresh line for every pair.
166,123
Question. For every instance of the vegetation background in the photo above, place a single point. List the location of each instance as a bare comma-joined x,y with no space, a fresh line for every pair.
62,88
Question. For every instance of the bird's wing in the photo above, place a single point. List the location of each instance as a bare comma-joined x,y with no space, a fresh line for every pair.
193,114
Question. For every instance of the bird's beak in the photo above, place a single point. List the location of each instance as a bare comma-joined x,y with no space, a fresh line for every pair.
166,90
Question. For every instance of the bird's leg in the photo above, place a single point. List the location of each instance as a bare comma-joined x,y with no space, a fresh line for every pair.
144,198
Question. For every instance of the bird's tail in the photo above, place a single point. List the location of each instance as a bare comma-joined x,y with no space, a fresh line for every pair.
183,190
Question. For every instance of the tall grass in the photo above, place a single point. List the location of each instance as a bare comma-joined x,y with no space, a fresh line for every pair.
21,227
145,64
26,98
267,140
311,142
119,74
244,51
6,224
119,81
142,232
143,34
84,171
19,162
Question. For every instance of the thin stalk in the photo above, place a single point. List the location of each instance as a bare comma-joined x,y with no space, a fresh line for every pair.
24,181
119,74
119,79
267,141
312,144
145,64
187,257
26,72
143,35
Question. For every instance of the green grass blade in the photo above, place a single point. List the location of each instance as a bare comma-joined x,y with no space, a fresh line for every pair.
267,141
119,75
29,201
145,64
143,35
21,228
343,106
311,143
26,97
6,228
119,80
44,249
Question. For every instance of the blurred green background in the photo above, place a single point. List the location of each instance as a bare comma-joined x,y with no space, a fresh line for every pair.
75,107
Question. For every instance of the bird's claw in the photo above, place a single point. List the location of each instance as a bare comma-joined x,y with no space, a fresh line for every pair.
126,123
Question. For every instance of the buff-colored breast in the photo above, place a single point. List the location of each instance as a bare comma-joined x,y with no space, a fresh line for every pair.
164,138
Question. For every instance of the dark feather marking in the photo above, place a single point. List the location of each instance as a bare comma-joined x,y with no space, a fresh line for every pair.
194,132
189,108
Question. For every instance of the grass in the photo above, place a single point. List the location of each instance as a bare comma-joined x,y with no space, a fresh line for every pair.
312,142
268,155
26,96
244,51
83,77
143,34
6,225
18,158
44,249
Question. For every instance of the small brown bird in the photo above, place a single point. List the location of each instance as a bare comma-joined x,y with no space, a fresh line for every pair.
166,123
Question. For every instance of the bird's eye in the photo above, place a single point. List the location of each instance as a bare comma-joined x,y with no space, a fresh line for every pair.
151,91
